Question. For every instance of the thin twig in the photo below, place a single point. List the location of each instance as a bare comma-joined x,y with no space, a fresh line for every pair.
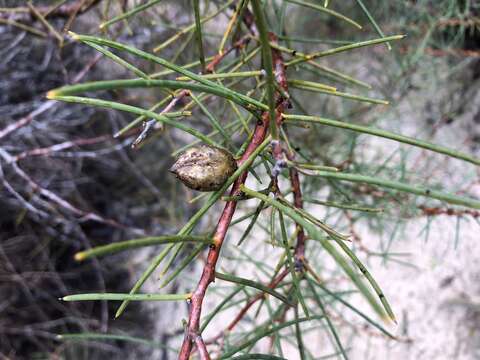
46,151
150,124
202,348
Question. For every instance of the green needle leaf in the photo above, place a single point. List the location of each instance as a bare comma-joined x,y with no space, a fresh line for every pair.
267,63
254,284
422,191
136,243
265,333
86,336
128,14
326,11
129,297
198,33
384,134
147,56
340,49
134,110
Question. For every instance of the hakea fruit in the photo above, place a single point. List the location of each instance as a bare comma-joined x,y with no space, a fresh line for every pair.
204,167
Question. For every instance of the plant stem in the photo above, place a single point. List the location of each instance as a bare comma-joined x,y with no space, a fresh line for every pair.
208,274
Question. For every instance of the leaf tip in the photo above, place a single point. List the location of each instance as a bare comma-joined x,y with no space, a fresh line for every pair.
51,94
389,318
118,313
80,256
73,35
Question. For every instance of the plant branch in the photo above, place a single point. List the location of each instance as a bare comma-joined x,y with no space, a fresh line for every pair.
208,275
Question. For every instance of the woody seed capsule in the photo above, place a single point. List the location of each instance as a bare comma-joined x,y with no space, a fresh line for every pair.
204,167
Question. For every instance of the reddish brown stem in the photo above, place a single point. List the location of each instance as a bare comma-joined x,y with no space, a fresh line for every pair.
208,275
298,203
282,103
202,348
435,211
219,57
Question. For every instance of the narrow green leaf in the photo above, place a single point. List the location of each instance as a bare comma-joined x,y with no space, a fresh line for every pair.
147,56
334,74
340,49
298,335
340,94
311,84
326,11
128,14
355,310
135,110
182,265
146,274
264,333
339,239
342,206
291,265
189,28
119,60
178,248
252,222
372,21
251,283
219,307
198,33
422,191
267,63
385,134
330,325
368,276
129,297
213,120
239,74
86,336
136,243
272,226
144,83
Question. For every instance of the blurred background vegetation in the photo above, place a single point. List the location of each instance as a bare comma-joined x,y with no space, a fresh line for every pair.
67,184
